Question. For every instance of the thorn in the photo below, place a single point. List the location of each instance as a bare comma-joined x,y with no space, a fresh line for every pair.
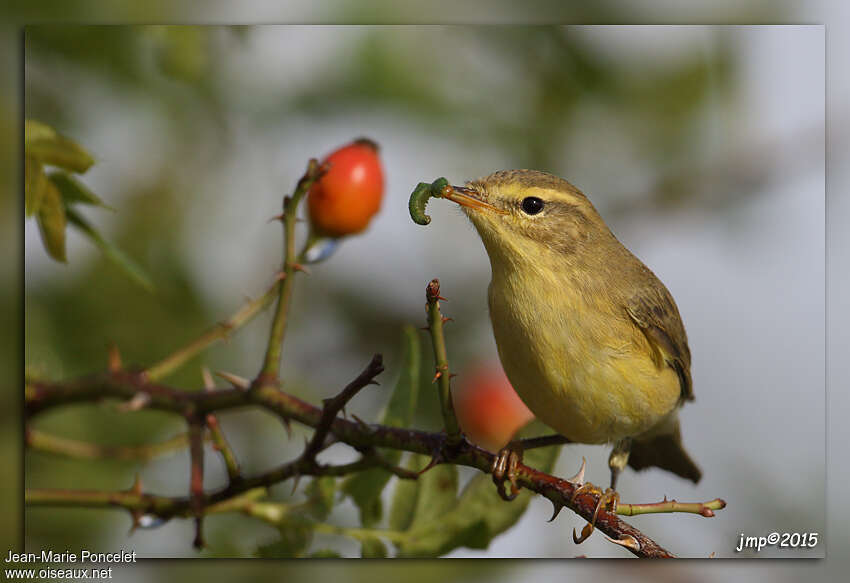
136,488
136,518
301,268
360,421
426,328
434,461
114,360
287,424
295,483
585,534
280,276
627,541
235,380
437,376
209,382
439,297
446,319
279,217
198,543
707,512
578,479
139,401
452,375
556,510
374,382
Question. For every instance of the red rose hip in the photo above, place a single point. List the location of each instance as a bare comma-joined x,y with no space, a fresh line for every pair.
346,198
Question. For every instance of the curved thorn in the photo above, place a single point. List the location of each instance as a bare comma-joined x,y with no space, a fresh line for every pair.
114,359
235,380
434,461
139,401
627,541
578,479
556,510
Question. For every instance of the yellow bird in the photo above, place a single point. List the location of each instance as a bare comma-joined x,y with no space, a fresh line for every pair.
589,337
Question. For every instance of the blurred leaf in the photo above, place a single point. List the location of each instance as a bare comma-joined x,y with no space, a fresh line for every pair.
73,190
437,494
365,487
405,496
372,548
295,537
181,51
476,517
320,493
52,221
112,252
402,405
325,554
34,185
44,143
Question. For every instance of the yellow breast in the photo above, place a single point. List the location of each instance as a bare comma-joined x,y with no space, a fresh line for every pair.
582,368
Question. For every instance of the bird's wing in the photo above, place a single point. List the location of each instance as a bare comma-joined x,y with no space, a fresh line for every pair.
654,312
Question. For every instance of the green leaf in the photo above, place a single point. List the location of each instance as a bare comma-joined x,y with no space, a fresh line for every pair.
73,190
52,220
402,405
320,496
477,516
112,252
325,554
405,494
34,185
365,487
50,147
437,494
295,537
372,548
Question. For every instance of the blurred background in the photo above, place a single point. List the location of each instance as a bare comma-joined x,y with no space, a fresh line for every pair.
832,12
702,147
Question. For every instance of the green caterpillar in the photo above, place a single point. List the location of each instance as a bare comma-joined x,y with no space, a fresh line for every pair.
419,198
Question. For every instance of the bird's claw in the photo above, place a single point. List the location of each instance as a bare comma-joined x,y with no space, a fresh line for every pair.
504,467
609,499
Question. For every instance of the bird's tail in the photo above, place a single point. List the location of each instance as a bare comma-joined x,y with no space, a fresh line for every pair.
666,452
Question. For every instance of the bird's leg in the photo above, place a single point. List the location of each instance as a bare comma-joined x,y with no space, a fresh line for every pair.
618,459
607,500
504,467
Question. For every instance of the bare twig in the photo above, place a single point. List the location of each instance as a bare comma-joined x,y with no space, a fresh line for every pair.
45,442
219,440
271,364
441,361
220,331
702,508
333,406
196,480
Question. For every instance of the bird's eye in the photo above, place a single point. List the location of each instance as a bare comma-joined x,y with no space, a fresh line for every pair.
532,205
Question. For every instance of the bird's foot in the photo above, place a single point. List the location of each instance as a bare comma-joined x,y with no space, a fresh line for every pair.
609,499
504,468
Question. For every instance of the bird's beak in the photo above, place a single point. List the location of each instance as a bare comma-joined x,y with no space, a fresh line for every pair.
469,198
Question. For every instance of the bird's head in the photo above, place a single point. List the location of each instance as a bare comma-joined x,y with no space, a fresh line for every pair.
529,217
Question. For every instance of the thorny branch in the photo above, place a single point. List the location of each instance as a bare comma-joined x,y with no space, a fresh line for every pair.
44,395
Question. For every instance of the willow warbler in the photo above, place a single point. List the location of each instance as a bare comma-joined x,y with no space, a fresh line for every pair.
589,337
